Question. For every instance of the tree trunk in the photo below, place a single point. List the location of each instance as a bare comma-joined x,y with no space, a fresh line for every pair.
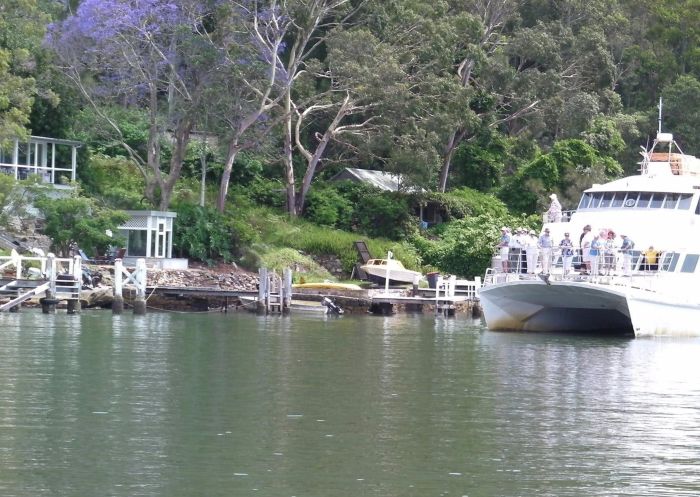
314,160
226,174
447,162
288,164
181,140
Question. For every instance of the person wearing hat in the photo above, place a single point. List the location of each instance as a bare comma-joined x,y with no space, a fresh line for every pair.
567,253
503,248
554,212
531,251
610,252
626,250
545,246
585,243
595,252
514,251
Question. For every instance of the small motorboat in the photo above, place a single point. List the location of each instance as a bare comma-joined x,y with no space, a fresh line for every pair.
378,270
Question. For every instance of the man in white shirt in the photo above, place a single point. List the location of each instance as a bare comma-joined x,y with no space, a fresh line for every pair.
545,246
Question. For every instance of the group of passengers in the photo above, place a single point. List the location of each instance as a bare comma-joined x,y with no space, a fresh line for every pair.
602,252
522,251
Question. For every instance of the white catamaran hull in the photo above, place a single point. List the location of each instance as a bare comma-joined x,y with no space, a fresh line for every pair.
654,315
536,306
568,306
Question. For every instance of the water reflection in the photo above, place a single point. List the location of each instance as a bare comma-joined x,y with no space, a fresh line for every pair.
183,405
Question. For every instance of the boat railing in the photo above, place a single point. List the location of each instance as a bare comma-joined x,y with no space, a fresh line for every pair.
607,267
564,217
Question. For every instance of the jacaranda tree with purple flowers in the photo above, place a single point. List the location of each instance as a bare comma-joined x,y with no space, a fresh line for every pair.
145,54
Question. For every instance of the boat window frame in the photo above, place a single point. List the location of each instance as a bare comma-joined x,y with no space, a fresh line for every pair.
585,199
669,261
606,200
653,200
671,200
618,200
640,200
685,201
596,197
688,261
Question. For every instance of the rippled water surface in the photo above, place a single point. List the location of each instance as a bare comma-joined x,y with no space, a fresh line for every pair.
238,405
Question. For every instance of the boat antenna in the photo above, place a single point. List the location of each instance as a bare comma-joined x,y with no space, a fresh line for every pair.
661,105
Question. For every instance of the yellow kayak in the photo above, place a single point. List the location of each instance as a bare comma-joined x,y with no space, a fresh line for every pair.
327,285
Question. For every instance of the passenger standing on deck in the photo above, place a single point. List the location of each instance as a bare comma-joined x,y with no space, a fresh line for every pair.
545,246
531,252
610,253
567,253
626,250
595,252
554,212
522,241
514,251
503,248
585,244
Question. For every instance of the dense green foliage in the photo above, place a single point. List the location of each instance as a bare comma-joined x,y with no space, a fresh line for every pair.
205,234
75,219
484,108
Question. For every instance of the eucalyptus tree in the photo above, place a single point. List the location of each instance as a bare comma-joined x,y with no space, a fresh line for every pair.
22,26
317,93
121,53
251,78
494,19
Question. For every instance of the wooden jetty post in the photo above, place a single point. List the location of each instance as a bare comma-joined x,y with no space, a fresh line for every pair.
261,306
48,303
73,305
286,290
137,278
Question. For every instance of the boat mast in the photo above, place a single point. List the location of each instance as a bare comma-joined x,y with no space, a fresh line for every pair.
661,105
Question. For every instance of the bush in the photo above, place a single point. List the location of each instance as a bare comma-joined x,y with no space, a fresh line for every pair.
79,220
327,207
465,247
205,234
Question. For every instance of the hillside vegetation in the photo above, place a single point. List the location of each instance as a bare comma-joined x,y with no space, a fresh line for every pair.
236,114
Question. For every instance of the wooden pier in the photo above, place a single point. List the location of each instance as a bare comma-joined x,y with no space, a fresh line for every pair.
450,295
56,278
61,279
447,295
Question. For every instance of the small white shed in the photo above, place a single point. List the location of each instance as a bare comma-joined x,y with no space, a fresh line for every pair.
149,235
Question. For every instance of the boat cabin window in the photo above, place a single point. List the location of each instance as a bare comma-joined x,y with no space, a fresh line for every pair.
671,200
685,200
607,200
643,201
637,200
656,200
690,263
585,199
669,260
619,199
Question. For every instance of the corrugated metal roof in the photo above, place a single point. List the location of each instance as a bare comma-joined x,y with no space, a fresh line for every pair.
380,179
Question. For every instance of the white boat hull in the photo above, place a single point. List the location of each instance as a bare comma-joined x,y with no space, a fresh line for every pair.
533,305
654,315
569,306
378,275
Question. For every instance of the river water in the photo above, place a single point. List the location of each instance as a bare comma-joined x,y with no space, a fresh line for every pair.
241,405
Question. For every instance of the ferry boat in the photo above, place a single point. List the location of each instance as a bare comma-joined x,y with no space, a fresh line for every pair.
659,207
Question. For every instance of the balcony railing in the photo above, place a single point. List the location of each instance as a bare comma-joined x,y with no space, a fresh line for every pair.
53,160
